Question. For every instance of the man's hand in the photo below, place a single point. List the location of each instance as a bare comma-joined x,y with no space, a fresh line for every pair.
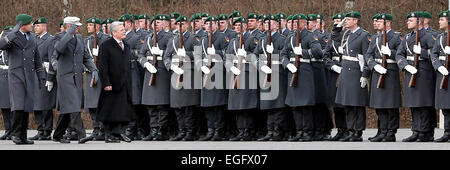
17,27
380,69
341,50
363,82
150,67
108,88
447,50
205,69
211,51
266,69
95,76
177,70
241,52
336,69
235,70
156,51
417,49
291,68
95,51
385,50
269,48
181,52
72,29
411,69
49,85
443,71
298,50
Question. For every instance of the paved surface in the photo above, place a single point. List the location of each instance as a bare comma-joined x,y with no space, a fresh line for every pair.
197,145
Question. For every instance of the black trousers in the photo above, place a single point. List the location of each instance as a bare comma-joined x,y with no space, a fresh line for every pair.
322,117
422,119
245,119
74,123
446,113
7,119
304,119
63,123
97,125
275,119
185,117
114,129
44,120
434,117
230,122
388,119
200,120
142,120
215,117
355,117
159,116
339,118
20,124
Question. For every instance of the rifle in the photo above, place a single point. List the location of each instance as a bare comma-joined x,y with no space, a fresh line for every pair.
294,78
444,81
321,26
412,81
241,41
155,58
210,44
93,83
268,77
180,77
380,83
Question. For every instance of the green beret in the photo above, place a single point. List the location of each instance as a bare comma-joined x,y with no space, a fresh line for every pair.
444,14
426,14
294,17
93,20
195,17
320,16
271,17
25,18
386,17
107,21
414,15
61,23
135,17
41,20
204,15
8,28
299,16
262,16
144,16
239,19
175,15
353,14
376,16
289,18
338,16
182,18
252,16
125,17
281,15
312,17
166,17
222,17
210,18
235,14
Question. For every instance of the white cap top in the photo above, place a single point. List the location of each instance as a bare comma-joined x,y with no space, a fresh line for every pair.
72,20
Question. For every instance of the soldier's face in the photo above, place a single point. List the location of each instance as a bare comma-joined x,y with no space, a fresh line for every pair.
237,27
199,25
411,23
443,24
27,28
61,28
90,28
39,29
136,24
289,24
375,24
318,24
223,25
159,25
173,23
337,21
142,23
312,25
207,26
283,23
350,22
266,25
184,26
252,24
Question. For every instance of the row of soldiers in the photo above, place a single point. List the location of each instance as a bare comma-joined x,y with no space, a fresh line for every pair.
314,74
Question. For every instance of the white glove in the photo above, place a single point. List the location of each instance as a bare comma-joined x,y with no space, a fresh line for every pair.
385,50
447,50
411,69
95,51
235,70
298,50
341,50
150,68
205,69
336,69
46,66
241,52
417,49
363,81
211,51
266,69
380,69
443,70
156,51
342,23
49,85
292,68
269,48
177,69
181,52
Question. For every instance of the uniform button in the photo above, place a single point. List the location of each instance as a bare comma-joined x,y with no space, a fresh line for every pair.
24,59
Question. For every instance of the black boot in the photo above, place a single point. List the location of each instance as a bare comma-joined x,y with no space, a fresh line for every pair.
190,136
380,136
348,136
444,137
426,137
36,137
209,135
239,136
140,134
317,135
153,133
100,136
130,133
218,135
247,136
378,133
307,136
340,134
297,136
326,135
412,138
267,137
357,137
46,136
5,136
181,134
390,137
161,135
277,135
